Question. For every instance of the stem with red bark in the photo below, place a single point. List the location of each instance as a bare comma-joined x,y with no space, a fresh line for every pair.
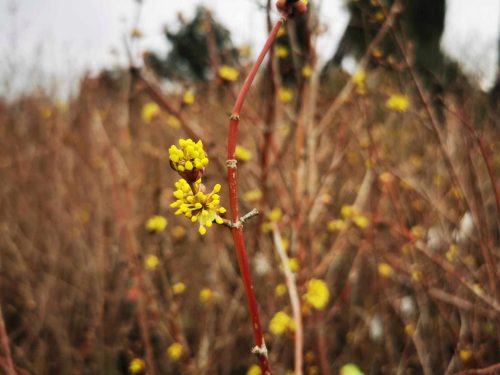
237,230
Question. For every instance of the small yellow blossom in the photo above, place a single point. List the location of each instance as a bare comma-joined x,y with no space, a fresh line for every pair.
385,270
418,231
416,276
282,52
188,97
379,16
312,370
398,103
173,122
199,207
252,195
386,178
178,232
156,223
228,73
275,214
336,225
285,243
254,370
136,366
293,264
361,221
243,153
149,111
350,369
190,156
281,323
465,355
206,295
178,288
409,329
347,211
377,53
151,262
285,95
281,31
317,294
174,351
280,290
307,71
452,253
359,79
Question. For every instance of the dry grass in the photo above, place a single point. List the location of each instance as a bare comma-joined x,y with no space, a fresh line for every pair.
410,288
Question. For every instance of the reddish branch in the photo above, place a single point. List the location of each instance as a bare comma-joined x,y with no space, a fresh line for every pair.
237,231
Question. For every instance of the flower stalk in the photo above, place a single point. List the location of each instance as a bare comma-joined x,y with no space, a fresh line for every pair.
237,231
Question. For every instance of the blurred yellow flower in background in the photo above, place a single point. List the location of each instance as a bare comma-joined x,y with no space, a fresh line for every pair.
317,294
151,262
243,153
254,370
285,95
156,223
206,295
188,97
281,52
281,323
149,112
136,366
385,270
175,351
178,288
397,103
228,73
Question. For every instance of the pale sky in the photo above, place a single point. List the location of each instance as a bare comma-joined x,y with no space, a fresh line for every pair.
66,37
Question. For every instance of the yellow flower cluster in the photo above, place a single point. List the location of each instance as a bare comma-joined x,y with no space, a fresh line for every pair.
397,103
136,366
243,153
359,79
281,323
317,294
254,370
175,351
192,201
191,155
156,223
199,207
228,73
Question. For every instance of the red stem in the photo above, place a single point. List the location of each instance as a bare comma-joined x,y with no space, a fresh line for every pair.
237,233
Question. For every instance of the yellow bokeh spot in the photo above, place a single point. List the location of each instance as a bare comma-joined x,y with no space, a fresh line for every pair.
293,264
174,351
149,112
452,253
418,231
228,73
178,232
173,122
254,370
285,95
136,366
252,195
188,97
336,225
317,294
281,323
397,103
385,270
151,262
465,355
361,221
156,223
347,211
281,31
280,290
307,71
409,329
282,52
275,214
178,288
243,153
206,295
